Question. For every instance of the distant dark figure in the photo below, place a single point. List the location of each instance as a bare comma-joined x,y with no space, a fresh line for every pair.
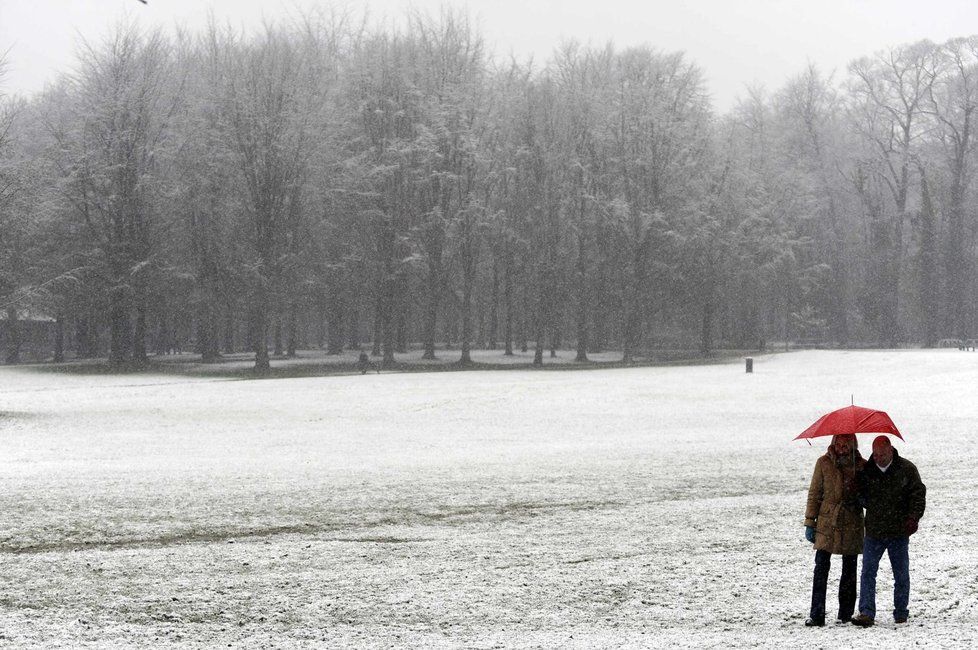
363,363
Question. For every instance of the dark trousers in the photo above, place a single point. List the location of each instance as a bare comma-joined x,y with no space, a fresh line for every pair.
847,585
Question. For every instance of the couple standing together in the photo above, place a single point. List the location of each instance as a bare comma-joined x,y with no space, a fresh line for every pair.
843,484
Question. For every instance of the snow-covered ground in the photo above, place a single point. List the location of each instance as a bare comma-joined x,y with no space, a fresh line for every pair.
654,507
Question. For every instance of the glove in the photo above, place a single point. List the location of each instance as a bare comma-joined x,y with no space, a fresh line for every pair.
810,533
910,525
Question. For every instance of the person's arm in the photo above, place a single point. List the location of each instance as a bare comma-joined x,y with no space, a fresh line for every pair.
916,495
815,492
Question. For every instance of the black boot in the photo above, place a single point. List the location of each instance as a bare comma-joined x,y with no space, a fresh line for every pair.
814,622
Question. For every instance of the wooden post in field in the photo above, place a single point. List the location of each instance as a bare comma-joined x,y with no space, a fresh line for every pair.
750,364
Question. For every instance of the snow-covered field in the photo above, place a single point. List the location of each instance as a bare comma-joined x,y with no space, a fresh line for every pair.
654,507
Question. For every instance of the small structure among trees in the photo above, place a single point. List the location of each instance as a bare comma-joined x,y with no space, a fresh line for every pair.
26,336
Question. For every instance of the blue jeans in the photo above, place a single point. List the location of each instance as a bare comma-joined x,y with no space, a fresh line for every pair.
898,548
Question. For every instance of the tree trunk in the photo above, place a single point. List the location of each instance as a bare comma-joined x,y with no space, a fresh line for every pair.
161,331
353,331
119,327
891,332
597,339
59,338
955,265
378,321
582,300
538,346
139,327
838,297
508,298
324,321
494,304
469,254
293,331
706,329
228,330
13,336
480,320
388,360
539,325
334,323
633,311
387,322
401,303
209,339
435,283
466,358
400,339
787,323
279,350
524,326
260,334
628,337
208,327
83,337
928,290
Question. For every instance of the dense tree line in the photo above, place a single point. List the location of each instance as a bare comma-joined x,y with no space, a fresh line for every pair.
328,183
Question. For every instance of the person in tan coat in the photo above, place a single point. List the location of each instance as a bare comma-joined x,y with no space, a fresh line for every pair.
834,523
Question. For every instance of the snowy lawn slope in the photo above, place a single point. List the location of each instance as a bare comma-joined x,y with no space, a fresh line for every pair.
649,507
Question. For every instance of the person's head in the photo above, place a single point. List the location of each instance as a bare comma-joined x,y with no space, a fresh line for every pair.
844,444
882,451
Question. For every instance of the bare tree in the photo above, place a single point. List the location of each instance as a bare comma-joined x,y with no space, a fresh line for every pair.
269,103
952,102
121,101
888,96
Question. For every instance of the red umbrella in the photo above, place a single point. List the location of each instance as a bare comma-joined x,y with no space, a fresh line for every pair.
851,419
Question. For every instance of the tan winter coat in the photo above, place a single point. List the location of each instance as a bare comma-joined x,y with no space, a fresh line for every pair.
832,507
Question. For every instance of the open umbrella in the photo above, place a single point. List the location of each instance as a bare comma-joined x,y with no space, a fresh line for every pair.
851,419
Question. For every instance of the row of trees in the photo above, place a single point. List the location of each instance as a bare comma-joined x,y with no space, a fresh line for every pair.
328,183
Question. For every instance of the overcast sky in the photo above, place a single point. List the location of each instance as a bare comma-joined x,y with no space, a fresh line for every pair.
736,42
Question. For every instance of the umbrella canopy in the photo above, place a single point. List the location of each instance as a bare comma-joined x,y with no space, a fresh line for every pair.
851,419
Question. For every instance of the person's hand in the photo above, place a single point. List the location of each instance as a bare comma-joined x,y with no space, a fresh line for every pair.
810,533
910,525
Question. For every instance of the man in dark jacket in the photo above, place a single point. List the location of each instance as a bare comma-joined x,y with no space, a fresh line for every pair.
895,497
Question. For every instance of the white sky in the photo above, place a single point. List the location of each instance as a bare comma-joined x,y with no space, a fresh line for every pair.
736,42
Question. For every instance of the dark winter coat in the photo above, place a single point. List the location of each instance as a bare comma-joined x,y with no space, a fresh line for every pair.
833,507
891,497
